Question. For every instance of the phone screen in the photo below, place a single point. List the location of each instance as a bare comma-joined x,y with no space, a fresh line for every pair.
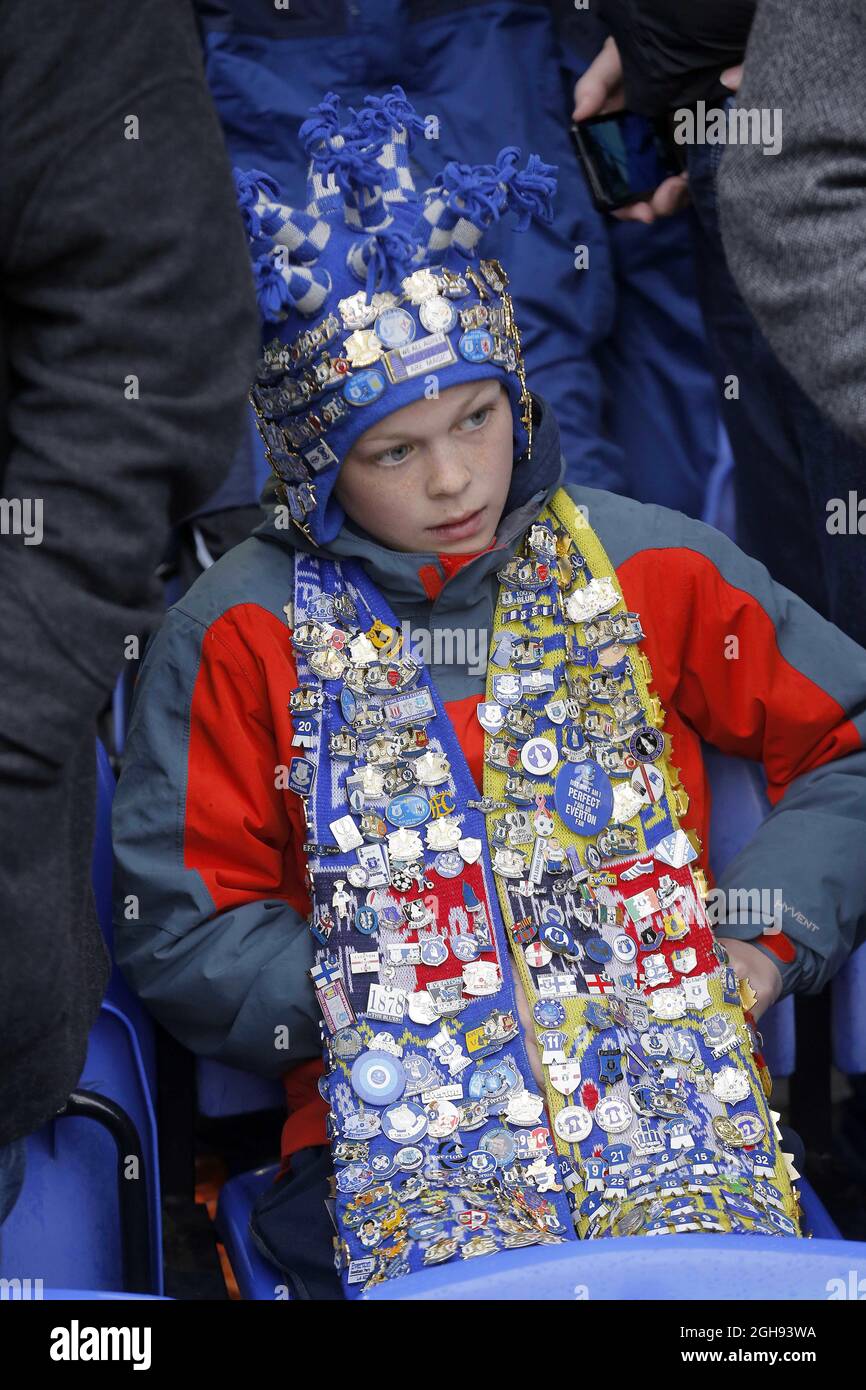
624,157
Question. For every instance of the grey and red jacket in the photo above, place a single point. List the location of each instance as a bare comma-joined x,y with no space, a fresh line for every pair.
211,849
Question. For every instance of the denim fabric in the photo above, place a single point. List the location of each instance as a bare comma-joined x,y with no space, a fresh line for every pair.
291,1226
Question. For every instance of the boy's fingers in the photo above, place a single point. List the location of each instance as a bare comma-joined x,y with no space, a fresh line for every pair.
732,77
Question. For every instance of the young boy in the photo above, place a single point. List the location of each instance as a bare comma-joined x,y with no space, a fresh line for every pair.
396,779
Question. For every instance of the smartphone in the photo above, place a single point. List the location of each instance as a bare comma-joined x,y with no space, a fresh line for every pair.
625,157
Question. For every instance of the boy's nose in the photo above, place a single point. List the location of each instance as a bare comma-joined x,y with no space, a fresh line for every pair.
448,476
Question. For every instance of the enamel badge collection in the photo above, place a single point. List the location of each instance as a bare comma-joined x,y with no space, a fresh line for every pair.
654,1119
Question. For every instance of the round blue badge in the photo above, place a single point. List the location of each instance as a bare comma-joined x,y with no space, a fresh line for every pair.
584,797
448,864
647,744
476,345
499,1144
346,1044
348,704
384,1166
409,1158
557,938
598,950
481,1163
395,327
363,388
378,1078
408,810
465,947
552,912
404,1123
367,921
548,1013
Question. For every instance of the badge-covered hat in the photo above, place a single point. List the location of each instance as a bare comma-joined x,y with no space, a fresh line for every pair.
373,288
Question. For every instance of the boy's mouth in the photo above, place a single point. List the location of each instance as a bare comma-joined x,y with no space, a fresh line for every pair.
467,525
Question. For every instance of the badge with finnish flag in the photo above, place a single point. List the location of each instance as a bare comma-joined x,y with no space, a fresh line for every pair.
326,971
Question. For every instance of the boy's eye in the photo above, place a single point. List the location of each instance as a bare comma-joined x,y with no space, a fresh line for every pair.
484,411
388,456
401,451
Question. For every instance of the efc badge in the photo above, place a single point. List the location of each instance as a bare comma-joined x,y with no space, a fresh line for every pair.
301,772
507,689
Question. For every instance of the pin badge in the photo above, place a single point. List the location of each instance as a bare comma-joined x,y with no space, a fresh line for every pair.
539,757
573,1123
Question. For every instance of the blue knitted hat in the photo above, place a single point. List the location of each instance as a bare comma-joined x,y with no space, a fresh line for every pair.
372,292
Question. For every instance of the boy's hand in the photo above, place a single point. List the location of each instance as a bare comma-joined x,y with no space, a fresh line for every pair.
751,964
600,91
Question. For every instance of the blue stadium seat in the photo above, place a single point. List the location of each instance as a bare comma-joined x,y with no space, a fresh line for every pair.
257,1278
848,990
104,1295
120,703
688,1268
67,1226
118,993
739,805
848,1014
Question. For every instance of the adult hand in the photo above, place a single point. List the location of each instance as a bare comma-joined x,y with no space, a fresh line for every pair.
751,964
601,91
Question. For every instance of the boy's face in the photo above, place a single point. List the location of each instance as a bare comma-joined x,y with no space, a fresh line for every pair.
433,476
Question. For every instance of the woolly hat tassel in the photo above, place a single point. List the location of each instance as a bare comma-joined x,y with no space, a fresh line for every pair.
282,287
382,260
469,198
